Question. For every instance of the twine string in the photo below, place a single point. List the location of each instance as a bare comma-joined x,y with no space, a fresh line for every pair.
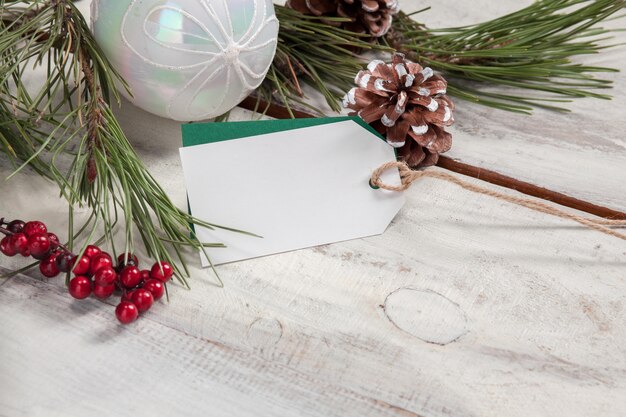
409,176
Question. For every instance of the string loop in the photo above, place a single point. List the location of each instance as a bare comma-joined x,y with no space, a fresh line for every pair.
409,176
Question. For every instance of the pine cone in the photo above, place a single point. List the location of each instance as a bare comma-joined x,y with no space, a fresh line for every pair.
407,104
367,16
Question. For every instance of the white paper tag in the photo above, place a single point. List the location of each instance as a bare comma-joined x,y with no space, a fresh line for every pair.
297,188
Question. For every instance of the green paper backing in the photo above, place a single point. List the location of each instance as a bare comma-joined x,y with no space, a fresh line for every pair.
202,133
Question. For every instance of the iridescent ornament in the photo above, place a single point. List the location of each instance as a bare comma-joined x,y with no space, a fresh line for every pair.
187,59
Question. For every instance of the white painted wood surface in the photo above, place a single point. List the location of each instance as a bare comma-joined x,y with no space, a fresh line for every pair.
466,306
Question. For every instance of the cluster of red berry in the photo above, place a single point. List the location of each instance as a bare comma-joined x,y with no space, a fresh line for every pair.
94,271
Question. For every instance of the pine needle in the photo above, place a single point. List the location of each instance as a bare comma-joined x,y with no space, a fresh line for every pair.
531,49
529,55
310,51
66,131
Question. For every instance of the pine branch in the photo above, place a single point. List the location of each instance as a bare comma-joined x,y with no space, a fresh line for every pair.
68,122
527,55
531,49
312,52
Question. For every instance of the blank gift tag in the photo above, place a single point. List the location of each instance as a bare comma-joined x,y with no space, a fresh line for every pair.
295,186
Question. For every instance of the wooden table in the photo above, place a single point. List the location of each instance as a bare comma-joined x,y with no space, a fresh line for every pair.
466,306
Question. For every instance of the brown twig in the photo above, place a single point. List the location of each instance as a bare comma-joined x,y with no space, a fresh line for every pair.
295,78
94,117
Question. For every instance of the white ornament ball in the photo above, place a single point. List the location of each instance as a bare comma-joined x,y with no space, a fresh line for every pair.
187,59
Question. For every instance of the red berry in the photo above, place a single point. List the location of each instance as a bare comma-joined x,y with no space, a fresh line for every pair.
156,287
65,261
126,312
100,261
39,245
128,295
81,266
54,239
145,275
6,246
130,276
142,299
48,266
103,291
31,228
162,271
105,276
20,244
16,226
92,251
132,260
80,287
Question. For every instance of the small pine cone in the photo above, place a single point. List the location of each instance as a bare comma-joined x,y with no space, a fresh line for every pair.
366,16
407,104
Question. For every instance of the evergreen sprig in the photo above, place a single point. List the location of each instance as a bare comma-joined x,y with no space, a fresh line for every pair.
528,55
65,129
310,51
531,49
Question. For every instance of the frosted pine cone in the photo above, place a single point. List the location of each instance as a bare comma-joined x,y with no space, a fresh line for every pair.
367,16
408,105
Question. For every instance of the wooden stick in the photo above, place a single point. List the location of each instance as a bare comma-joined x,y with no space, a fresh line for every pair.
279,112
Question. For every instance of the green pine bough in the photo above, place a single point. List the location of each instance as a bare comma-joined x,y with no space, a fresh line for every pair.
64,129
313,52
528,54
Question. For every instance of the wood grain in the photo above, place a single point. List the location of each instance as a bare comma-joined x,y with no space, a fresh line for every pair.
411,310
465,306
